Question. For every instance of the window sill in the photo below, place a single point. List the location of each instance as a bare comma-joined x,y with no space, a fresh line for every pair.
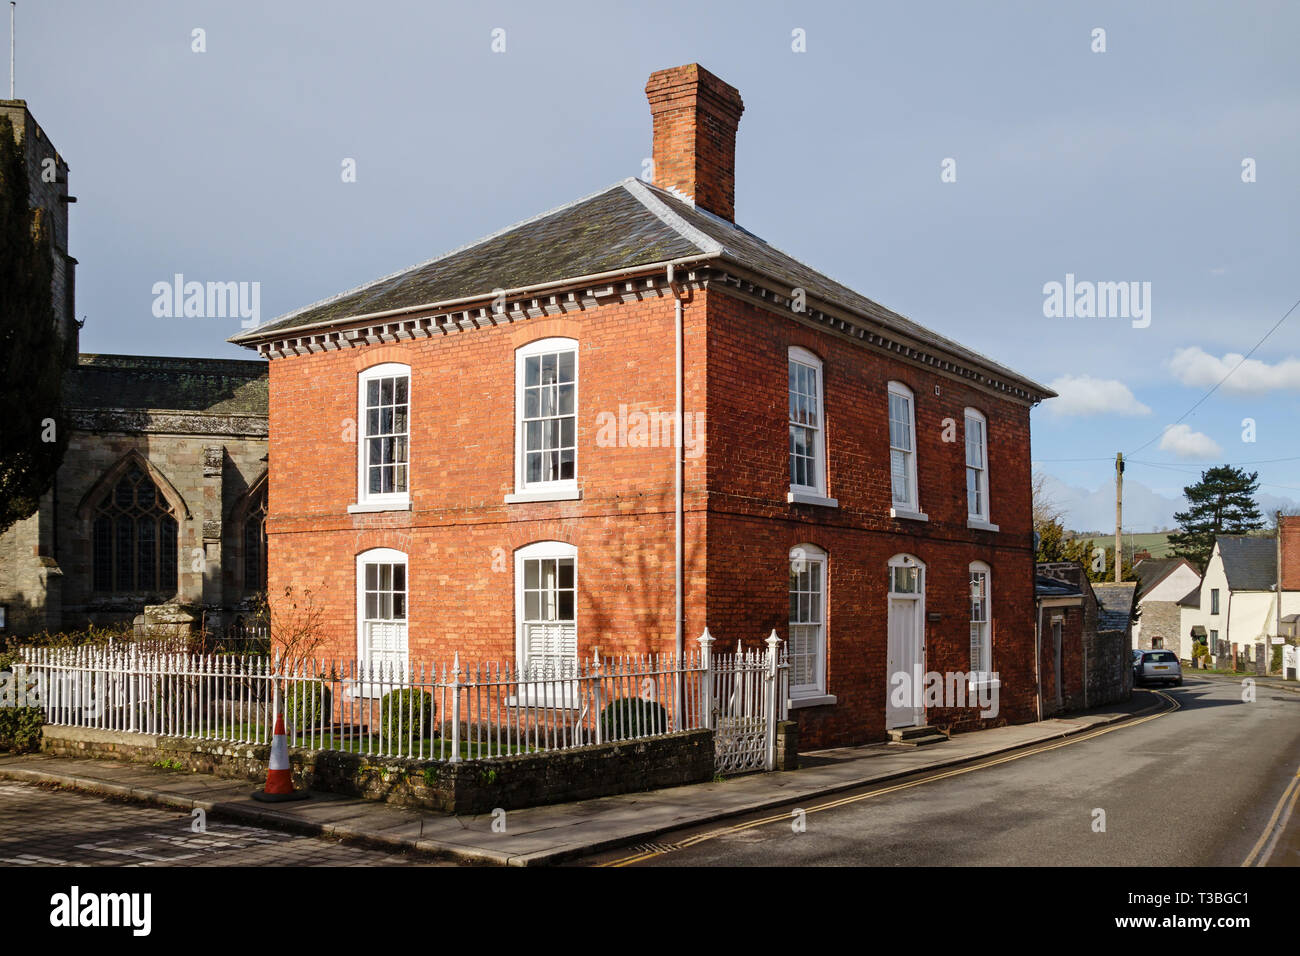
981,525
821,700
366,507
523,497
808,498
991,683
909,515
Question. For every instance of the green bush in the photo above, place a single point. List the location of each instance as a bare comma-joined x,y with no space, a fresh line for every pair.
628,716
20,728
403,712
308,704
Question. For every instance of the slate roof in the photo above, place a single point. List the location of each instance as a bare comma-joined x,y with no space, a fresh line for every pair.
1250,564
1192,598
626,226
212,386
1052,587
1151,571
1114,605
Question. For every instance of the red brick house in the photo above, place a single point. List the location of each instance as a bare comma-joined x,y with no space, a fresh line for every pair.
481,453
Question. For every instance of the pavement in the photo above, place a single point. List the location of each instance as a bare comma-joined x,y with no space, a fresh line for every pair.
552,834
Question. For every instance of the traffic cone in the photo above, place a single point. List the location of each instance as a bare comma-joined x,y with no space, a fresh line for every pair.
279,780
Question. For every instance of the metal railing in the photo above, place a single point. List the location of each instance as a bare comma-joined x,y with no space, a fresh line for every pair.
424,711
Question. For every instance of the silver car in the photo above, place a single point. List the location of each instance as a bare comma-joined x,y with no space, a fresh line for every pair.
1159,666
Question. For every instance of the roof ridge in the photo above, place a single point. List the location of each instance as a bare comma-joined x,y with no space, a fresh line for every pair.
428,262
655,205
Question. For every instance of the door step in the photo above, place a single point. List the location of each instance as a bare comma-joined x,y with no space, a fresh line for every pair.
916,736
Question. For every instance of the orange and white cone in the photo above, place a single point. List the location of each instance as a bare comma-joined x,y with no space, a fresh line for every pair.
279,779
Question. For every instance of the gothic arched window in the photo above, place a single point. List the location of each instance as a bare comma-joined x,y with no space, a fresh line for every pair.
255,543
135,536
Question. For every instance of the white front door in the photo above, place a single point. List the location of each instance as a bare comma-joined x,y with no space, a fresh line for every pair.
906,672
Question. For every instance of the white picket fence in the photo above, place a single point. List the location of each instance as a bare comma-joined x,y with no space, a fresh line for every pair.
446,712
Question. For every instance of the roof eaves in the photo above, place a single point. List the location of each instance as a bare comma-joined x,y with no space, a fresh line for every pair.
250,335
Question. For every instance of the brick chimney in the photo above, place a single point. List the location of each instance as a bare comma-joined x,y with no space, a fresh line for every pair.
1288,529
695,120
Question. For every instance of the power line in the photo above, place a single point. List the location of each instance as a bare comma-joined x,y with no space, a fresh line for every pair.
1202,399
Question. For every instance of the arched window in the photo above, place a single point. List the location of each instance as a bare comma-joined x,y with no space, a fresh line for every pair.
382,641
254,535
546,609
135,536
807,647
807,424
981,644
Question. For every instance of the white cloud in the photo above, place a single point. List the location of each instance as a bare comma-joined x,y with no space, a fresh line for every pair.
1085,395
1196,367
1185,443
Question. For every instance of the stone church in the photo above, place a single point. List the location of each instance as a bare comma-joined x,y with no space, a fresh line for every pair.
161,497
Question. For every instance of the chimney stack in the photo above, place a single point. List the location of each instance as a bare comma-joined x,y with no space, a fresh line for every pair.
695,120
1288,570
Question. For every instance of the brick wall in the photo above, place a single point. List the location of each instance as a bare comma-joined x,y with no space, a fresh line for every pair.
460,536
751,527
1290,532
1070,677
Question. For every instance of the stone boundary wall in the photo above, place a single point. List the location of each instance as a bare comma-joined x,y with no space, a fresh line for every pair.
468,787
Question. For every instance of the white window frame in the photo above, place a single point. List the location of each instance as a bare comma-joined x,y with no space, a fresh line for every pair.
380,501
979,517
981,670
549,692
376,556
912,507
814,493
802,558
558,489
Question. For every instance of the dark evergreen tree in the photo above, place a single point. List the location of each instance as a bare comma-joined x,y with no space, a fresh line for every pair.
32,352
1222,502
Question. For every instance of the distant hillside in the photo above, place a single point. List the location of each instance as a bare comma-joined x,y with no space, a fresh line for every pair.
1157,542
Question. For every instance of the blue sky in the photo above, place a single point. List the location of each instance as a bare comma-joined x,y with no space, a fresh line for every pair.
1123,165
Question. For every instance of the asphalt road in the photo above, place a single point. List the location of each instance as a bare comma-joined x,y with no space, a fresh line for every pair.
42,827
1195,786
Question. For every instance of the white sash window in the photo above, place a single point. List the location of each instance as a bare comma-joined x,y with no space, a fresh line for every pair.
546,588
981,647
902,448
384,433
546,410
807,648
382,589
977,475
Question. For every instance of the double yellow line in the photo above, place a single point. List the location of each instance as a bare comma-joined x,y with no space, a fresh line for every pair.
857,798
1267,842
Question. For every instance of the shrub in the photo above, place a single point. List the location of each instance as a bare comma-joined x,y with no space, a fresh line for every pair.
628,716
403,712
20,728
308,704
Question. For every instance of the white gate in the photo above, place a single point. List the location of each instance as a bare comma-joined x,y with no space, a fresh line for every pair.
747,698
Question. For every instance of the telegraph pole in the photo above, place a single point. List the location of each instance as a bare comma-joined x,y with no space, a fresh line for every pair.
1119,514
